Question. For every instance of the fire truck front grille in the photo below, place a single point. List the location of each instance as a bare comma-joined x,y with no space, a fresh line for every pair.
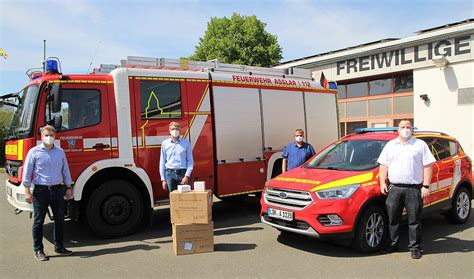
12,167
292,199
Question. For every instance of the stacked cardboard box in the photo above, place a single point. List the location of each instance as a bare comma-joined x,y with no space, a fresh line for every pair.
191,216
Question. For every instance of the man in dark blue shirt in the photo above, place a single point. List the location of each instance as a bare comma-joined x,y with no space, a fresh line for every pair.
297,152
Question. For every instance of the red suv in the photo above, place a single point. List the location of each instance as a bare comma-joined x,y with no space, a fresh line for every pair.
336,194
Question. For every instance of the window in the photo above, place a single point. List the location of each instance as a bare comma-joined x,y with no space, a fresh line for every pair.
380,86
342,111
357,109
79,108
403,83
439,147
403,105
355,90
351,126
341,91
380,107
160,100
342,128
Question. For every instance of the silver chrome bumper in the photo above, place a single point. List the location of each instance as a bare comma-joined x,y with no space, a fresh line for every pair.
309,232
13,198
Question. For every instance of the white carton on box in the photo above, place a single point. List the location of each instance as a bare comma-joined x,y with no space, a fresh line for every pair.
184,188
200,186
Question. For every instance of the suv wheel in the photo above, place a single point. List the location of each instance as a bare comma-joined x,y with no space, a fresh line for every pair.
460,208
371,233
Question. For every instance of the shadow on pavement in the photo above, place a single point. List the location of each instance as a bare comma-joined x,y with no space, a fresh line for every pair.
230,217
234,247
437,239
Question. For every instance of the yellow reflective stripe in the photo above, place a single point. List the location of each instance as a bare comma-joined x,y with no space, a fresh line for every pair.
240,193
346,181
82,81
20,150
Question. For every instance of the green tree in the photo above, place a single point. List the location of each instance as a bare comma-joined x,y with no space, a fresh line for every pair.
5,119
239,40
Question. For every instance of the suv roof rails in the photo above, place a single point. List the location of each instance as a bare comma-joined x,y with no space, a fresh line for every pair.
375,130
432,132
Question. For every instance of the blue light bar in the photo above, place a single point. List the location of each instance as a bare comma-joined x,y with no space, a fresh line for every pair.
52,66
332,85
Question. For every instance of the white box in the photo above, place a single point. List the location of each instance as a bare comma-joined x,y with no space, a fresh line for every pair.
184,188
200,186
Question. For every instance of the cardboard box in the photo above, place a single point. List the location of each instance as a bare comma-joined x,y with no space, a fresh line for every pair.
191,207
200,186
193,238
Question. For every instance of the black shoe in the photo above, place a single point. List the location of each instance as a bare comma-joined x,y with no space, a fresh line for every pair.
41,256
62,251
416,254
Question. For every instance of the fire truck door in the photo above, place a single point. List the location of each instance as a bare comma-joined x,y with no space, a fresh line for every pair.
158,102
85,131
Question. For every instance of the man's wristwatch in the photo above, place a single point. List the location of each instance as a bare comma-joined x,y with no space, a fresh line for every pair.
426,186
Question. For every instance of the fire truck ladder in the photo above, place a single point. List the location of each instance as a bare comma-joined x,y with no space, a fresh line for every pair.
201,66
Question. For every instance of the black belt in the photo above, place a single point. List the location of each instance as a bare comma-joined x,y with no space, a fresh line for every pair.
406,185
176,170
49,187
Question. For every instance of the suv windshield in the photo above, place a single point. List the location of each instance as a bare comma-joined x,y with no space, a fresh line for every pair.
352,155
23,113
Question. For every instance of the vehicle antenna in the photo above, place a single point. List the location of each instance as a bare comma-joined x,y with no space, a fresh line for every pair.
93,57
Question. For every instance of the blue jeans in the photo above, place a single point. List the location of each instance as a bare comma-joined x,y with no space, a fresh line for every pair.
173,178
42,198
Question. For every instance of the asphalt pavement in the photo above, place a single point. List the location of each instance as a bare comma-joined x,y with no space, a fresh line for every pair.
244,248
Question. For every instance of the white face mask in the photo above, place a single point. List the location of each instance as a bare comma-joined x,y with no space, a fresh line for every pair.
174,133
405,133
299,139
48,140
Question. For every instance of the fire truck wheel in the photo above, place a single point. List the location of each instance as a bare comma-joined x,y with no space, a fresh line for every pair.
115,209
372,230
460,208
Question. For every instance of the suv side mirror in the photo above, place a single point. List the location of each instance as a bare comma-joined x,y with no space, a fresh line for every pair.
58,122
55,97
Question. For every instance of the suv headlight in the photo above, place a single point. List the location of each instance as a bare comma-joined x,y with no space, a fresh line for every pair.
337,193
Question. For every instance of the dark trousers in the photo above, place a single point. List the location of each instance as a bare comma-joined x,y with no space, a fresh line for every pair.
410,198
173,178
42,198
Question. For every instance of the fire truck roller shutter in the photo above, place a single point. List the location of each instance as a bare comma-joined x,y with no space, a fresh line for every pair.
238,124
321,118
283,112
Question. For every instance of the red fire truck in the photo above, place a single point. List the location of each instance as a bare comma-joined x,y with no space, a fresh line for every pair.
111,124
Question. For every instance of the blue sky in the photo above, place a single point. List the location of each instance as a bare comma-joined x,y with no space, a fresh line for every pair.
75,30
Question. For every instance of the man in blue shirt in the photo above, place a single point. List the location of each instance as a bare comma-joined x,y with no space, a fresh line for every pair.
297,152
176,161
46,167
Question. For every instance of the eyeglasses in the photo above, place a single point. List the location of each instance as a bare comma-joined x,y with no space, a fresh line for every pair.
299,135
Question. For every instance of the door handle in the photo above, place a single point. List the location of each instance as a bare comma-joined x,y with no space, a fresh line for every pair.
100,146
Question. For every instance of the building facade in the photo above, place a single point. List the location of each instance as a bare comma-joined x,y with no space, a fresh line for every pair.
428,78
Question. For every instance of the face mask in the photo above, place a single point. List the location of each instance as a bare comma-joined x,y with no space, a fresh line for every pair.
174,133
48,140
405,133
299,139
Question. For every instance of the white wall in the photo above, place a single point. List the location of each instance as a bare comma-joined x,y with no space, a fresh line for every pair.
442,112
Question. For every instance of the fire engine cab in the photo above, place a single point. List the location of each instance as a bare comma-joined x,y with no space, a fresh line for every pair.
111,124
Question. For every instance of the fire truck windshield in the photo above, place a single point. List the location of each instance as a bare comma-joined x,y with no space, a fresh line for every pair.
21,125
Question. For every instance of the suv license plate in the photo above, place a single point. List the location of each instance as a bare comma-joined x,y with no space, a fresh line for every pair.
280,214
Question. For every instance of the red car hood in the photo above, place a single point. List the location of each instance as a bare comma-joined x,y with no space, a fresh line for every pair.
304,179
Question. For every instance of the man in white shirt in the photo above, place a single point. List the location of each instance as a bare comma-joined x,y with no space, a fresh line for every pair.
406,162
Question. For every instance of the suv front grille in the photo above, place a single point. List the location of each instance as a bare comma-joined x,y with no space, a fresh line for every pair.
296,224
292,199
